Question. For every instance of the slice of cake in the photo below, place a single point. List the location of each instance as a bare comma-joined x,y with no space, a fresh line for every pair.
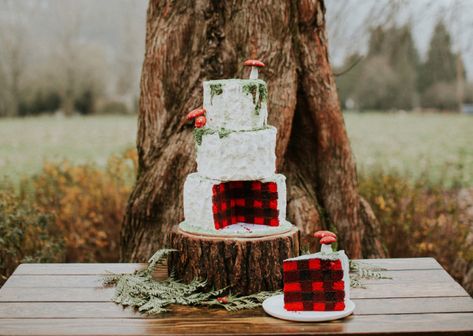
317,282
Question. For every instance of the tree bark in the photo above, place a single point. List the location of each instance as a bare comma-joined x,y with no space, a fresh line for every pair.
243,265
187,43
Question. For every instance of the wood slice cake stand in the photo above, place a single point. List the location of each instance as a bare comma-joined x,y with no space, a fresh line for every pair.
246,265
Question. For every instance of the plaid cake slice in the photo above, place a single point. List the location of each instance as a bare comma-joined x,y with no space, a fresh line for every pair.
251,202
313,284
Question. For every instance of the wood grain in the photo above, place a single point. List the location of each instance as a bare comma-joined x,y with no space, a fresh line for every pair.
84,294
100,310
59,281
43,300
75,269
94,269
247,265
458,324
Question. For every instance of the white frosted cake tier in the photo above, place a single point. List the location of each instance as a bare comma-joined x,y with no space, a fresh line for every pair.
199,211
236,104
238,155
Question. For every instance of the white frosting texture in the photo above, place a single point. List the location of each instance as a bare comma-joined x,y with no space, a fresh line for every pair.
244,155
198,202
236,104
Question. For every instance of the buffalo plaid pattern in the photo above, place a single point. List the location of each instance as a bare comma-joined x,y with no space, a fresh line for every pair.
313,285
251,202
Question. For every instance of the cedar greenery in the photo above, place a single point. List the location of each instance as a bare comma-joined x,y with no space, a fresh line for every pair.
360,271
141,291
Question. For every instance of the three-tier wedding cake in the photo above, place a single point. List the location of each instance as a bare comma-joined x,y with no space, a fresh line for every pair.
235,191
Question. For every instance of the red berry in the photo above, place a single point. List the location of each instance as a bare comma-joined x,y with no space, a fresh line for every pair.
223,299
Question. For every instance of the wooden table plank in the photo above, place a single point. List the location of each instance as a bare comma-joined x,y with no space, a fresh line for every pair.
93,269
91,310
76,281
403,263
75,269
91,294
459,324
68,299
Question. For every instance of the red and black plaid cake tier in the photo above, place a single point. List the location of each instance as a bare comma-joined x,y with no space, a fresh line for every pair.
313,285
252,202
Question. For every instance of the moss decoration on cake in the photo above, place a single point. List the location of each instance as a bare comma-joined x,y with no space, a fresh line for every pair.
215,90
222,132
256,88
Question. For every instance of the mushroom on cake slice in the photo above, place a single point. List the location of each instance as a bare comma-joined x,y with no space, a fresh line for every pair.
324,233
326,243
200,121
255,64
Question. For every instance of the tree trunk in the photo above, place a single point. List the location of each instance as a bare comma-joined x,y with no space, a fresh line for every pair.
188,43
245,265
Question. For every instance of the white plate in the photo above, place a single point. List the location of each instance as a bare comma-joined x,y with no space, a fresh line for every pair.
275,306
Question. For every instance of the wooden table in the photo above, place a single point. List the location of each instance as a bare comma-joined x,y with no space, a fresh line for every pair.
68,299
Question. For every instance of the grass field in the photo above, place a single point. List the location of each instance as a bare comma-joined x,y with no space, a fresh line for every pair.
25,144
436,146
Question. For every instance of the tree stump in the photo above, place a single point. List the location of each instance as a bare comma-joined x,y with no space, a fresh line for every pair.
245,265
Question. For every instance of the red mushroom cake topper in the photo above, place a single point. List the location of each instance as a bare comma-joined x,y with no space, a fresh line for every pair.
200,121
199,115
321,234
326,239
255,64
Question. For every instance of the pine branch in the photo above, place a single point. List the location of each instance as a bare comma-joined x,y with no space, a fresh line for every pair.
141,291
158,258
360,271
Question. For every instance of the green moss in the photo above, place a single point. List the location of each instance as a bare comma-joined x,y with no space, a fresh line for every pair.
215,90
222,132
263,93
200,132
258,99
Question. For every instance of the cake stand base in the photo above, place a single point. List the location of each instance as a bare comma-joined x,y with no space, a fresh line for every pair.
244,265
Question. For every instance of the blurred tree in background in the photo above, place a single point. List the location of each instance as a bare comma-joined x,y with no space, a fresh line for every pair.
70,56
438,75
386,78
392,77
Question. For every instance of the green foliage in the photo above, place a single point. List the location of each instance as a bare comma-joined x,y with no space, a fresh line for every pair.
200,132
438,75
112,107
42,102
360,271
440,65
416,217
386,78
26,234
391,76
85,102
215,90
258,91
141,291
234,303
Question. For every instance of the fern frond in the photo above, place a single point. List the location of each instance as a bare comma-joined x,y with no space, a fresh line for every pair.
158,258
